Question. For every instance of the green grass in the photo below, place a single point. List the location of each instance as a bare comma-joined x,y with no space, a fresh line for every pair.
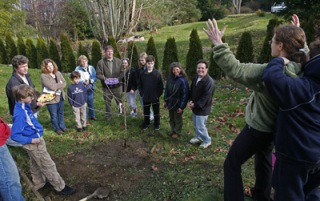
185,172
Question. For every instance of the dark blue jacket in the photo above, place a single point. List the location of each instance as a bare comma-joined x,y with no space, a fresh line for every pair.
201,95
77,94
176,94
151,86
297,135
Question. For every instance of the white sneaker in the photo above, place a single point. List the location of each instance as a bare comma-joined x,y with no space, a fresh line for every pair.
205,145
195,140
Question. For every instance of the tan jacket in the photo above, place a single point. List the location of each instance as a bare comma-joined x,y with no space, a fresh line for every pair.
51,84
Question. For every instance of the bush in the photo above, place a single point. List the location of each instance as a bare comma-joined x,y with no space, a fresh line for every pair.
68,61
54,53
151,50
194,54
214,70
31,53
245,9
11,47
21,46
260,13
245,48
95,52
83,51
170,55
3,53
132,54
113,43
42,50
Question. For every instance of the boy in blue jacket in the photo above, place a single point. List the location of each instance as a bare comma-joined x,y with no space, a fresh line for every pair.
28,131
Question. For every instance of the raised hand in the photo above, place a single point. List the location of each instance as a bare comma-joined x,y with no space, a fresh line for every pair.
213,32
295,20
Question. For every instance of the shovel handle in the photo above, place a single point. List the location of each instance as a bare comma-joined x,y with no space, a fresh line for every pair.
88,197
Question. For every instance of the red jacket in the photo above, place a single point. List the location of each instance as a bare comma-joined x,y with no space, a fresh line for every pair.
5,132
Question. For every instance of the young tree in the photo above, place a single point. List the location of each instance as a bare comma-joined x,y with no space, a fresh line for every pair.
3,53
21,46
11,47
194,53
170,55
42,50
151,50
245,48
31,53
113,43
54,52
132,54
214,70
68,61
95,52
83,51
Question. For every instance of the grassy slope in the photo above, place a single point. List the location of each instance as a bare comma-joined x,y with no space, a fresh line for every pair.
186,173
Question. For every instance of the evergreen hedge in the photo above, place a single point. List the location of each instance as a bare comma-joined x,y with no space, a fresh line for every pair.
31,53
54,52
42,51
68,60
214,70
170,55
151,50
11,48
132,54
113,43
245,48
21,46
82,51
3,53
95,53
194,54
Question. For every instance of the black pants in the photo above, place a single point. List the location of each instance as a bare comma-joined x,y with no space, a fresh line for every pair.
156,112
246,144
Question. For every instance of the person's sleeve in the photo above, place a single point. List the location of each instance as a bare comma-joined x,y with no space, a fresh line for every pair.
122,70
5,131
206,96
93,77
18,129
248,74
184,90
160,85
99,71
288,92
69,96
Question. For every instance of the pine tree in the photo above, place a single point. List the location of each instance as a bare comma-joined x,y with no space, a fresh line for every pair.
95,53
31,53
42,50
265,54
132,54
214,70
3,53
170,55
21,46
194,53
68,61
11,47
113,43
54,52
83,51
151,50
245,48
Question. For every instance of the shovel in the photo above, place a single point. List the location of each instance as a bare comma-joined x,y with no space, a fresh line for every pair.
99,193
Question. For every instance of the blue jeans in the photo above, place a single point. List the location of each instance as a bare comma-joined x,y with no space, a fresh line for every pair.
56,111
131,99
199,123
10,187
90,106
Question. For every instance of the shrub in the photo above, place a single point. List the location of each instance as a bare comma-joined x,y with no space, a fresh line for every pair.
132,54
31,53
113,43
42,50
11,47
170,55
194,53
245,48
83,51
3,53
245,9
54,53
68,61
214,70
95,52
21,46
151,50
260,13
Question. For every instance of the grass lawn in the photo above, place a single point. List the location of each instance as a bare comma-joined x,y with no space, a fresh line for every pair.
148,165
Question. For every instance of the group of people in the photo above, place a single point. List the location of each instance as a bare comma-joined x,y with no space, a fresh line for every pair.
282,113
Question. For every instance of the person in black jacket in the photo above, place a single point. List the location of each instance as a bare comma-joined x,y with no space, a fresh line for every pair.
19,76
202,89
176,96
130,86
151,88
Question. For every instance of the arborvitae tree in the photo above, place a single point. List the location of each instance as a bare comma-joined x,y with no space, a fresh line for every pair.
31,53
265,54
194,53
42,50
3,53
54,52
170,55
245,48
151,50
21,46
11,47
95,53
83,51
214,70
68,61
132,54
113,43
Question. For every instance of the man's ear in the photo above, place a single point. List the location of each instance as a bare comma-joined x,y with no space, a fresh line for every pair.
280,45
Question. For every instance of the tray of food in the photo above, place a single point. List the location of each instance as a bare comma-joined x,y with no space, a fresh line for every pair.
111,81
46,97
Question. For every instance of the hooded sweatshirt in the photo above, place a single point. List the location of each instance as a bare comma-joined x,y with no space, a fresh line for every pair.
261,109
